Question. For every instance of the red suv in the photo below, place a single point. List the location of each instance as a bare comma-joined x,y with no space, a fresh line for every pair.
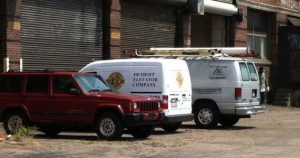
53,101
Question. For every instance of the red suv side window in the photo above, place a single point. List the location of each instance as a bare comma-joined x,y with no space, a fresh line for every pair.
10,84
37,84
62,84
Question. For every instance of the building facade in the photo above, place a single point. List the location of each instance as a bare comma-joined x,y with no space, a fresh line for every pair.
68,34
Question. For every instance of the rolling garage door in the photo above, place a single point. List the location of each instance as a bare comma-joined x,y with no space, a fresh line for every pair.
60,34
145,26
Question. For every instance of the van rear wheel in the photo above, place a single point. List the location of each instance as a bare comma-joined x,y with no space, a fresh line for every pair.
228,121
171,127
206,115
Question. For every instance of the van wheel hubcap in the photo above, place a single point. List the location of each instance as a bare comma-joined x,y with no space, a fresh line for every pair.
14,123
107,127
205,116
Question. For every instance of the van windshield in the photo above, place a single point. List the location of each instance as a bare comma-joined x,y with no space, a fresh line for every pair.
253,74
244,72
91,83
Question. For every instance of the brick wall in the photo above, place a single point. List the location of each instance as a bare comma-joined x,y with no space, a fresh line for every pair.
112,13
240,34
13,44
183,30
3,26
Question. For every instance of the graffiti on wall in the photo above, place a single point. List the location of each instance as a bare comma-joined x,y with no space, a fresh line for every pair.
291,4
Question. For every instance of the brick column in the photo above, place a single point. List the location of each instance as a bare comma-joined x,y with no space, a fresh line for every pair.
112,35
281,19
3,27
240,32
183,30
13,44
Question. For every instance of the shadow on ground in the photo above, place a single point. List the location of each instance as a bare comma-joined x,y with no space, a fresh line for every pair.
218,127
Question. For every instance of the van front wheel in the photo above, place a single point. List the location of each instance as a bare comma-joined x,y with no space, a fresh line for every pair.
228,121
206,116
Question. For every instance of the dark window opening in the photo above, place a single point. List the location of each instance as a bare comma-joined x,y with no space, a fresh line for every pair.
62,84
37,84
10,84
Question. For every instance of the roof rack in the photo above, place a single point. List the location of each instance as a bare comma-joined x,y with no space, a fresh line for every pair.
193,53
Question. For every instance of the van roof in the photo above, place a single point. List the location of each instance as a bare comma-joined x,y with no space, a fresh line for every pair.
139,60
43,73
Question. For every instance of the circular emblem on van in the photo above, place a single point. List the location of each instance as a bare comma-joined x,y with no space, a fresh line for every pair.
179,79
116,79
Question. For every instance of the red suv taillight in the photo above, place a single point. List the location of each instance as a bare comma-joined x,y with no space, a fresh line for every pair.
238,93
165,99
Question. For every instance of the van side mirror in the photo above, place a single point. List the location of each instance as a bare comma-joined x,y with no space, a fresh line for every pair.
74,91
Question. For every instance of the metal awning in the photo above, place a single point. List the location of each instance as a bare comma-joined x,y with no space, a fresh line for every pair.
294,21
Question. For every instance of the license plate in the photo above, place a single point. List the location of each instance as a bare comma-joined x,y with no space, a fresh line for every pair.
174,102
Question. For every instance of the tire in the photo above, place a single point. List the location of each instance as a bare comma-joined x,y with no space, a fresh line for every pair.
50,131
171,127
141,132
206,115
228,121
109,126
14,121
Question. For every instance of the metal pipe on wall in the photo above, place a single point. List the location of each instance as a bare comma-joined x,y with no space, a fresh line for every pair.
220,8
170,2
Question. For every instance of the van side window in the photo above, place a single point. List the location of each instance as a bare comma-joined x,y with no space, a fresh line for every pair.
253,74
10,84
37,84
62,84
244,72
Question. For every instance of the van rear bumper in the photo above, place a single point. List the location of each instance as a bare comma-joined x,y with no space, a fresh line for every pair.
177,118
250,110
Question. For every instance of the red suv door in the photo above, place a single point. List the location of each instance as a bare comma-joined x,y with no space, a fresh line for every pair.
48,99
64,105
36,97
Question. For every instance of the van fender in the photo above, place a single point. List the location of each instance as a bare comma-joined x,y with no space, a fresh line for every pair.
204,100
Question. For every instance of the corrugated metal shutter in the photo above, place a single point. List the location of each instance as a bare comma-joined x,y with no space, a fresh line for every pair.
145,26
60,34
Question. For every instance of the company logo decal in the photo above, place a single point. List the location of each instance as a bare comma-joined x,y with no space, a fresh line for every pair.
217,72
179,79
116,80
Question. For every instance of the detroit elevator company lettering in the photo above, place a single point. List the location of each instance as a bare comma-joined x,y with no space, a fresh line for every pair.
144,79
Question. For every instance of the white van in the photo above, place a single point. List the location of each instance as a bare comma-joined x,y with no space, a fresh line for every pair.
225,89
167,79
